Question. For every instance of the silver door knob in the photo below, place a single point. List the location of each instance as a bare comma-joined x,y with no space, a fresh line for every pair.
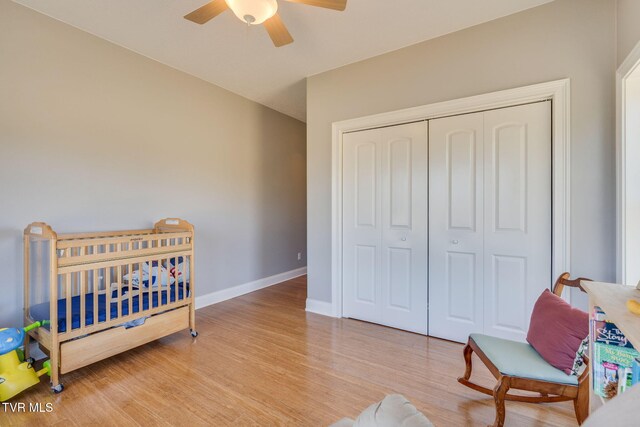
404,239
455,242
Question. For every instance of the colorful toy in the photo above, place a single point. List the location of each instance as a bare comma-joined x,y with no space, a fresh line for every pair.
17,374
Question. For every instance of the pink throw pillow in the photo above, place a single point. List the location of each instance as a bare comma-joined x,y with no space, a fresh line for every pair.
557,330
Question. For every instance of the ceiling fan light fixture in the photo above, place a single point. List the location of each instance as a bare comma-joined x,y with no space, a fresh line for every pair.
253,12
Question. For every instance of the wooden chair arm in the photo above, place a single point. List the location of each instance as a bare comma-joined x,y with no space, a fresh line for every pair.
564,280
584,376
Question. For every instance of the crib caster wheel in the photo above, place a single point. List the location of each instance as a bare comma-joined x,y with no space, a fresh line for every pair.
194,333
57,389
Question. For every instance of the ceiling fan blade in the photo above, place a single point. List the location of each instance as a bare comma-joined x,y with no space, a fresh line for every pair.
328,4
207,12
277,31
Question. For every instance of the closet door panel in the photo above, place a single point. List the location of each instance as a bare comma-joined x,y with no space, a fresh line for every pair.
461,283
456,226
517,215
365,160
365,273
362,225
509,308
509,159
404,227
400,280
400,180
462,180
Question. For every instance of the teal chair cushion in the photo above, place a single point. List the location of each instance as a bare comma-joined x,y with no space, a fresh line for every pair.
518,359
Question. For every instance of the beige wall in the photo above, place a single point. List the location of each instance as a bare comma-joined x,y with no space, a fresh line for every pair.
95,137
565,38
628,27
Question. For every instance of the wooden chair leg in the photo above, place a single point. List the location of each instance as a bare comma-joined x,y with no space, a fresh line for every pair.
467,352
499,393
581,402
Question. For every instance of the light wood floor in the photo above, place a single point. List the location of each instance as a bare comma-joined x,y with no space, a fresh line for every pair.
262,360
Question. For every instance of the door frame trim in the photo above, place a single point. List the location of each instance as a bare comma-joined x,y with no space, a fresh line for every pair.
628,66
557,91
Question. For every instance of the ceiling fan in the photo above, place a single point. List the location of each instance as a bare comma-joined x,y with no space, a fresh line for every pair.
255,12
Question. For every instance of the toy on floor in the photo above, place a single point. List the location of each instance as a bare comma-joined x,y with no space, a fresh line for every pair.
17,374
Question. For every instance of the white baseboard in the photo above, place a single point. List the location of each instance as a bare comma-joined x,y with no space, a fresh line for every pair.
320,307
236,291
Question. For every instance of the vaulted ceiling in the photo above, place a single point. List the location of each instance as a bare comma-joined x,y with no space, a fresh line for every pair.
243,60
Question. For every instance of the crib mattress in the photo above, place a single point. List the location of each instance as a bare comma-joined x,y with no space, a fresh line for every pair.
41,311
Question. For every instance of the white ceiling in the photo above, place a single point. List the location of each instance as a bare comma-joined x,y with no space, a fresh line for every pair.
243,60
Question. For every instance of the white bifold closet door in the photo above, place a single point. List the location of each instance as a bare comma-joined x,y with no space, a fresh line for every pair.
489,220
385,226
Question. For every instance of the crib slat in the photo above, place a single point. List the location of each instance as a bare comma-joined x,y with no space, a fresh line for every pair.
140,287
96,285
175,275
178,277
119,290
81,283
81,286
107,288
67,295
130,293
168,290
185,284
161,262
187,265
150,287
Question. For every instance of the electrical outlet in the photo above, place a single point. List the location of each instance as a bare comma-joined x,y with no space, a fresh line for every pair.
299,256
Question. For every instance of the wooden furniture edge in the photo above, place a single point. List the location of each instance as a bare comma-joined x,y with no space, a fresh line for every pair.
579,393
50,339
79,353
617,313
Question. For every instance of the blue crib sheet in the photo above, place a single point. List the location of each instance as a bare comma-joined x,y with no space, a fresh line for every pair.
41,311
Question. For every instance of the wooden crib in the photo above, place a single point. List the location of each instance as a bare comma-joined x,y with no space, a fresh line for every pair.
93,286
